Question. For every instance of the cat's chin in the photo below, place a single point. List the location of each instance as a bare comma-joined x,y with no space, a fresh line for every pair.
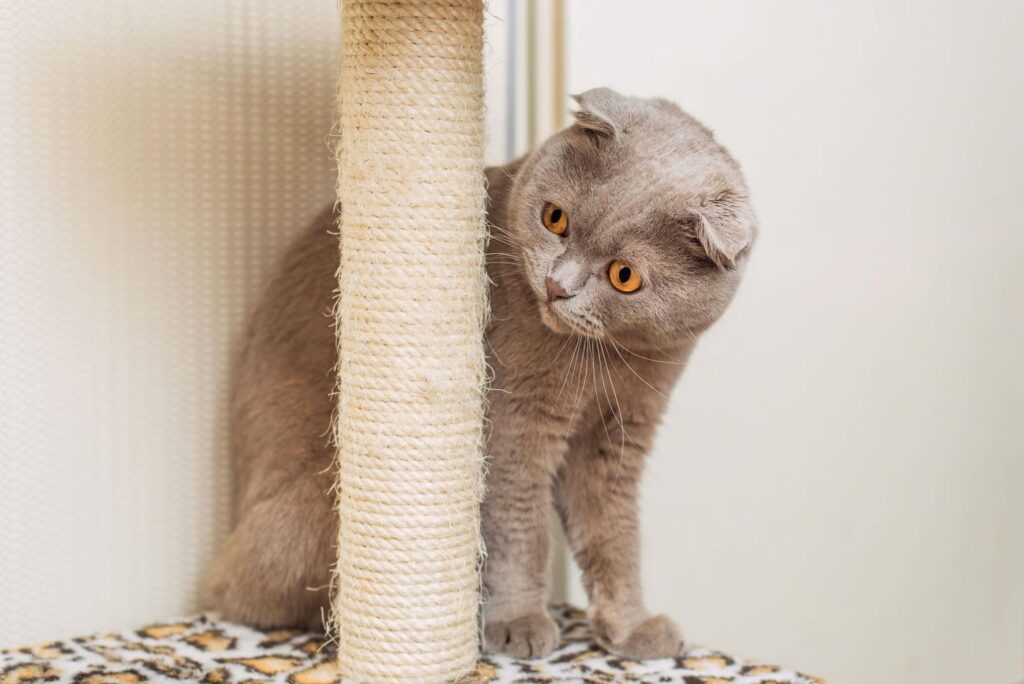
553,323
557,324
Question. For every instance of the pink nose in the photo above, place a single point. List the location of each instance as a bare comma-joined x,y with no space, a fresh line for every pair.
555,291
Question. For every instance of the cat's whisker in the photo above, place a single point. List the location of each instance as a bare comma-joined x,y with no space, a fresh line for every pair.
572,362
562,347
518,258
502,242
501,239
604,423
565,373
499,233
618,405
633,371
619,417
585,326
588,367
583,378
615,367
645,358
492,248
616,413
558,355
494,227
578,360
505,255
578,373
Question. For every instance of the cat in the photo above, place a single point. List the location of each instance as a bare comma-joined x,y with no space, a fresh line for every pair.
613,246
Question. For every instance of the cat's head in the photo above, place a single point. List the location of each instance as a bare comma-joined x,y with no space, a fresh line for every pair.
633,222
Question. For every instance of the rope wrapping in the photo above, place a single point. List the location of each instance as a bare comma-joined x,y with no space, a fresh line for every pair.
410,321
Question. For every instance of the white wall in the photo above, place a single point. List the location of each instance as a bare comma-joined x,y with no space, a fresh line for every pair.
839,481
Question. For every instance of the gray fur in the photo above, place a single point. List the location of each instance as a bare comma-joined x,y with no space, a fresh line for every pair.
579,385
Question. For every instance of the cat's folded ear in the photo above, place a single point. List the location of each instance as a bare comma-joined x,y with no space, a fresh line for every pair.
600,112
725,226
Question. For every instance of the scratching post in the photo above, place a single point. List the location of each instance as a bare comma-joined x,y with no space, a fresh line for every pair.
410,316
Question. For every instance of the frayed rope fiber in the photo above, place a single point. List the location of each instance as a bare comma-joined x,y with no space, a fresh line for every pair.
410,320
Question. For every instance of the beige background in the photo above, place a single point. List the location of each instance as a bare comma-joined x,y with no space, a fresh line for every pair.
839,482
154,158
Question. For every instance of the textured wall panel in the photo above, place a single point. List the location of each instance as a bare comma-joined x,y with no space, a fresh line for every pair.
154,158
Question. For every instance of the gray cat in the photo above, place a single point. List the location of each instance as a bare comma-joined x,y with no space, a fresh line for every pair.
614,245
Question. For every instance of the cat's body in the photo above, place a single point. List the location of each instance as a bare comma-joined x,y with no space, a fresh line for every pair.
582,368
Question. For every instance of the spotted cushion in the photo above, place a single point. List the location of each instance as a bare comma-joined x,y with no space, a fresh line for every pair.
208,650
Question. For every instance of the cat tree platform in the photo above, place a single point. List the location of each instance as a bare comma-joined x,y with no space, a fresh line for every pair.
204,649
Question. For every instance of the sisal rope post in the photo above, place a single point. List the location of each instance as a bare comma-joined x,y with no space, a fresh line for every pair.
410,319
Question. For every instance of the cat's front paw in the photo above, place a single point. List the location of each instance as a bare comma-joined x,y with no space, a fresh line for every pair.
652,638
534,635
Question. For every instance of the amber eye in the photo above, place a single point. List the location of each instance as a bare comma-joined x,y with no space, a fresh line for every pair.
555,220
623,276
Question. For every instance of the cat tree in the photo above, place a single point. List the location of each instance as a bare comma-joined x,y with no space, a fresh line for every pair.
410,321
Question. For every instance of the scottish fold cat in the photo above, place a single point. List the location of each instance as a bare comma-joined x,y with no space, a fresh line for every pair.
613,246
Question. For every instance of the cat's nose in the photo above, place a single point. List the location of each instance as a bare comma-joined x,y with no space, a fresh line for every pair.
555,291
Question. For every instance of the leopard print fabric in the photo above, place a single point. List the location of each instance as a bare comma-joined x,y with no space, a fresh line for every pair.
203,649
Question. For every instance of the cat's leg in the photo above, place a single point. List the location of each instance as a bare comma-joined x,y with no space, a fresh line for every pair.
274,569
596,495
523,455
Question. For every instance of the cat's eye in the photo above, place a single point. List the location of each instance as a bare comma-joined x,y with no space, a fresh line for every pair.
555,219
623,276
